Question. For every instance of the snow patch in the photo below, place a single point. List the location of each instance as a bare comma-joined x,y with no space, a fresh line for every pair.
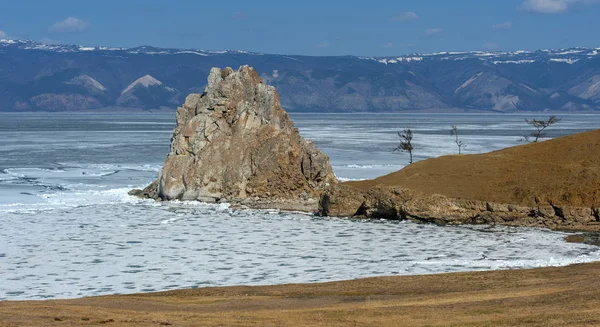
467,82
569,52
566,61
399,59
145,81
192,52
409,59
518,62
529,88
485,54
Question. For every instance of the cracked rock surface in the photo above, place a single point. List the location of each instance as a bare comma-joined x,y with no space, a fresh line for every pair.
235,142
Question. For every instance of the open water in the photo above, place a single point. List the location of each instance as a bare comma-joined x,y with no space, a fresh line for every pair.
69,229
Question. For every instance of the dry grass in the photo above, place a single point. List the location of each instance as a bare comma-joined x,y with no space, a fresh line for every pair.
565,171
536,297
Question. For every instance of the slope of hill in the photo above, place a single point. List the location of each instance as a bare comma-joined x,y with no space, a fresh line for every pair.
35,76
561,171
554,184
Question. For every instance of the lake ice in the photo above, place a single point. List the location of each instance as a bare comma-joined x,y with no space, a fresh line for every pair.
69,229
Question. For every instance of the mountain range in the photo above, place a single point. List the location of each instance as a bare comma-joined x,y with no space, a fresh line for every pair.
41,77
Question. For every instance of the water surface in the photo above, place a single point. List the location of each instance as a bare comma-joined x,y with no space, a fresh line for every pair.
69,229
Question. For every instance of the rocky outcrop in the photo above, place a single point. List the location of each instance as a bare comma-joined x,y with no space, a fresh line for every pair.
554,183
234,142
398,203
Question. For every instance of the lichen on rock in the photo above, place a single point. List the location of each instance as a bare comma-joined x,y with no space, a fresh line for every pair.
236,142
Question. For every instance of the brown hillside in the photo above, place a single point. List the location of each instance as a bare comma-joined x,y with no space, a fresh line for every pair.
562,171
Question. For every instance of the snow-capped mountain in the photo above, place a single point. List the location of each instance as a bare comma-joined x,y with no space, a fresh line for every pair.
567,56
66,48
35,76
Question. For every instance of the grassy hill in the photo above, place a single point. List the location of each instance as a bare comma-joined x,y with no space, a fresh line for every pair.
561,171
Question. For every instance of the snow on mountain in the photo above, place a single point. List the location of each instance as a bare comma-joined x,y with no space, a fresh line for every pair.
36,76
564,60
523,61
88,82
192,52
467,82
33,45
145,81
570,55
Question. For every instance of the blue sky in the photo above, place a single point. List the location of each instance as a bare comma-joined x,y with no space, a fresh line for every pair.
309,27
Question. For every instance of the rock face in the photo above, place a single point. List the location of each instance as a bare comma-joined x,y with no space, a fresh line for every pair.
398,203
235,142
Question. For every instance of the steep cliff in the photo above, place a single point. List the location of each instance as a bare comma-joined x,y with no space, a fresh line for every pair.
235,142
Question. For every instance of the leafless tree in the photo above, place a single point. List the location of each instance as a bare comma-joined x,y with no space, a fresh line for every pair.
540,126
406,143
459,143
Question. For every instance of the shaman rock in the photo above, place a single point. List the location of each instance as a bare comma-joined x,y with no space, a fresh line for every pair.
235,141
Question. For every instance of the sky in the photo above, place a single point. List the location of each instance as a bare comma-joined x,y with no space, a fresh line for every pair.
308,27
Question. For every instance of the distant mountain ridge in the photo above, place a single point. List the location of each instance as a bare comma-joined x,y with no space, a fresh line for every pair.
40,77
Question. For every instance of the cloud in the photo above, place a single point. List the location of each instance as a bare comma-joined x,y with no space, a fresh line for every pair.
3,35
490,46
322,45
407,15
502,26
433,31
553,6
69,25
388,45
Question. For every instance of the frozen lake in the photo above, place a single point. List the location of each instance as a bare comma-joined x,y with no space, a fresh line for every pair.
69,229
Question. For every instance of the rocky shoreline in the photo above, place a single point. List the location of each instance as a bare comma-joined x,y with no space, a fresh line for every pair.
234,143
403,204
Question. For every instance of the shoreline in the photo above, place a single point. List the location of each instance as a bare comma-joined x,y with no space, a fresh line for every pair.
495,213
547,296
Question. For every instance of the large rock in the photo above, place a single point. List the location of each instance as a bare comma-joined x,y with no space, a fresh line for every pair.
390,202
235,142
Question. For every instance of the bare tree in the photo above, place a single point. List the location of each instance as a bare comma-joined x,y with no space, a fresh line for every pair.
540,126
406,143
459,143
